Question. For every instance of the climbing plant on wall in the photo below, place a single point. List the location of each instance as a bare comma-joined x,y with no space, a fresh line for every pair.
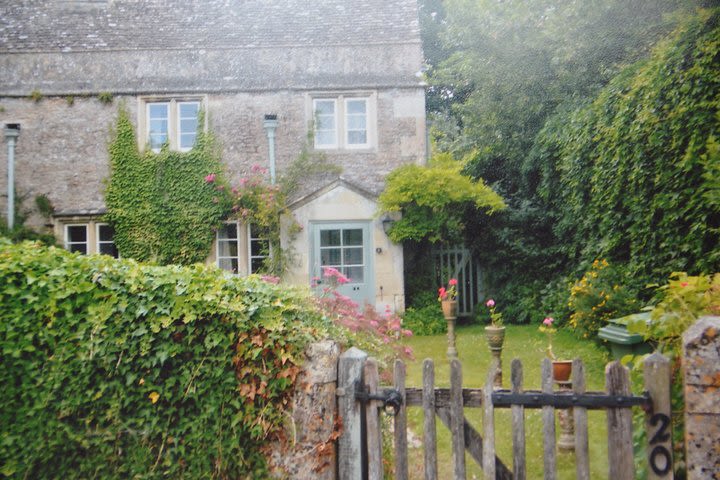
161,205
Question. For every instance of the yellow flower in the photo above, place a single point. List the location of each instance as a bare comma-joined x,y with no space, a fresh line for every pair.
154,396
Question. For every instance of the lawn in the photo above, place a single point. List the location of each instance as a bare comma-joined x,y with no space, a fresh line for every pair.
527,344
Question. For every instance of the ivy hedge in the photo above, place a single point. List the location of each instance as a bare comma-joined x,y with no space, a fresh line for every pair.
634,176
113,369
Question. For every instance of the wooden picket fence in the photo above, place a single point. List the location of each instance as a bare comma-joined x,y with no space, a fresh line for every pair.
360,406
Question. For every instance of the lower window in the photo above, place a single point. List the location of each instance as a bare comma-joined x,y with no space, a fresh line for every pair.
242,248
90,237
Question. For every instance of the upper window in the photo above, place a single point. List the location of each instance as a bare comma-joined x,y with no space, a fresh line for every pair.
172,122
342,122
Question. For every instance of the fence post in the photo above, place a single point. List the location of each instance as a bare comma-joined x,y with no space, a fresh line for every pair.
701,357
619,425
350,448
658,425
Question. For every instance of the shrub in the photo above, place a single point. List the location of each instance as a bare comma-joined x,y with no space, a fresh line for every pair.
597,297
424,316
683,300
112,369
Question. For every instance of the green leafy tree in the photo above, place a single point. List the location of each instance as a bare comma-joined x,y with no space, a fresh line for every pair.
433,200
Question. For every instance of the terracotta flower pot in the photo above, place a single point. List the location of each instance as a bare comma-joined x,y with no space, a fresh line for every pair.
562,370
495,337
449,308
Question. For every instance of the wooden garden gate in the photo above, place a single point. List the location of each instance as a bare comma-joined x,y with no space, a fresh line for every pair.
361,401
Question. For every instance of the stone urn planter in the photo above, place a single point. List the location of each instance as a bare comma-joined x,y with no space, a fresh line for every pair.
562,370
495,337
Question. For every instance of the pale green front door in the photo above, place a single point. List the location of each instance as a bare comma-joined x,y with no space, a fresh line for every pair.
346,247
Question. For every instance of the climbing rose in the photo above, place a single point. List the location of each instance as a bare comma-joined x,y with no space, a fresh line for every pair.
490,303
548,321
210,178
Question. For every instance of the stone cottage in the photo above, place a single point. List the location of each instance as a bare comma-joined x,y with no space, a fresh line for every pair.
348,69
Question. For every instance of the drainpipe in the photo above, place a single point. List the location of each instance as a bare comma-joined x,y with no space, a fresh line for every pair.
12,131
270,125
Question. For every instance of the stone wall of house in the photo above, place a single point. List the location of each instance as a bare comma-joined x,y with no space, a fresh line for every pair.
701,358
62,148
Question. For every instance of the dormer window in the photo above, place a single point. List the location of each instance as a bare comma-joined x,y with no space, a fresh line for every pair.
171,121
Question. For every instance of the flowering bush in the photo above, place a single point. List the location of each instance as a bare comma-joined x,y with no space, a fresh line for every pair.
597,297
377,333
495,316
449,293
548,329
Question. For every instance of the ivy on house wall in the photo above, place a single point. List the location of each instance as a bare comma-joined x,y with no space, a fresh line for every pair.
160,204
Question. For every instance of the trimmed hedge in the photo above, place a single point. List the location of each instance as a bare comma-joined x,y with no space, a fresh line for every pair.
113,369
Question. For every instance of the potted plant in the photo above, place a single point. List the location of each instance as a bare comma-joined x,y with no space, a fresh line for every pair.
561,368
448,301
495,332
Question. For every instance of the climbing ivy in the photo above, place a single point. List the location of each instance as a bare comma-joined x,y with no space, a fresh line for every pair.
160,204
635,171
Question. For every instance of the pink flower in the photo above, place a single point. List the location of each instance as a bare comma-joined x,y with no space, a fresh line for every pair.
490,303
452,282
442,293
548,321
684,284
210,178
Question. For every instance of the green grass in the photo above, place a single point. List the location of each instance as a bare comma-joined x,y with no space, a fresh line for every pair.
527,344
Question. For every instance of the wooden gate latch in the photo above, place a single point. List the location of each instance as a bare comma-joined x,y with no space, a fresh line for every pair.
391,399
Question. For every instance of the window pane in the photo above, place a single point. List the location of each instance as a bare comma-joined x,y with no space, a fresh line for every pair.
354,274
105,233
257,265
187,140
188,126
158,110
356,122
325,138
77,233
78,247
158,127
229,264
228,231
329,238
357,138
330,256
353,236
356,106
189,109
108,249
325,107
325,123
353,256
227,248
259,248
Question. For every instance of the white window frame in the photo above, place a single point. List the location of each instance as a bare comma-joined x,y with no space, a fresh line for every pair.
99,242
347,123
174,130
238,248
244,234
342,119
250,241
66,237
334,144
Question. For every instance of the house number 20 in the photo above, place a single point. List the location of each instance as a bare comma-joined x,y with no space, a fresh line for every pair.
659,453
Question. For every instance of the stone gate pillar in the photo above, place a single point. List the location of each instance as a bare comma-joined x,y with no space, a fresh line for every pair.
308,448
701,368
